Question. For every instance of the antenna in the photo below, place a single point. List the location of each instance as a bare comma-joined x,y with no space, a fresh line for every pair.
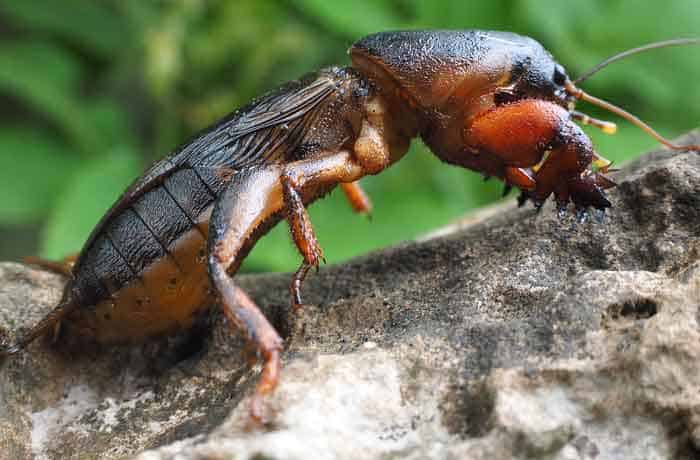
583,96
639,49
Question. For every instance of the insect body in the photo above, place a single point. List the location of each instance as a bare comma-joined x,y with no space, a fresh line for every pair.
493,102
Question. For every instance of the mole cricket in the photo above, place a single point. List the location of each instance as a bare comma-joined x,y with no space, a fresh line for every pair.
493,102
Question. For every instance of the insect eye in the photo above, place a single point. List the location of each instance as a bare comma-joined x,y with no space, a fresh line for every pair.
559,76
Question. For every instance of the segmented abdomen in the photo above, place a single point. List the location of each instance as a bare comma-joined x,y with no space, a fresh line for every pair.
144,273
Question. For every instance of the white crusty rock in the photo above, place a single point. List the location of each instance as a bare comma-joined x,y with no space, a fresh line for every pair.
511,336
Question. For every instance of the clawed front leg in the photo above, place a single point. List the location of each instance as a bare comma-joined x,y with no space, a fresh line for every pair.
542,152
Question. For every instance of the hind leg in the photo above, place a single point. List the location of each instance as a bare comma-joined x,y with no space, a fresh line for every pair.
255,200
245,316
63,267
51,323
252,199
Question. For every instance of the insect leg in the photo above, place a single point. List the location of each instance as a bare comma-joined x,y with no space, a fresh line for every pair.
359,201
244,211
542,151
295,287
244,207
301,181
50,323
300,222
63,267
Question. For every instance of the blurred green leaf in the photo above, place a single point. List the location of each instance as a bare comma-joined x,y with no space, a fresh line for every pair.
457,14
42,63
86,197
352,18
110,124
45,77
90,25
118,80
34,165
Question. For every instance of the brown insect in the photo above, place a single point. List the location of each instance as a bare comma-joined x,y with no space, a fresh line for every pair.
492,102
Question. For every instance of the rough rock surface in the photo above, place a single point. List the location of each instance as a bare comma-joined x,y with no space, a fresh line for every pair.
518,336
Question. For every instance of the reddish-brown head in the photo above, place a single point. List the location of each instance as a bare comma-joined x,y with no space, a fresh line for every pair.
448,76
497,103
432,67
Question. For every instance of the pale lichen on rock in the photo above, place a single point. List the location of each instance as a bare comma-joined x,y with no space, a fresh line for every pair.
511,336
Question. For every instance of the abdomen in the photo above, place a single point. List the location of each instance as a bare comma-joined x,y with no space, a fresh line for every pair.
144,274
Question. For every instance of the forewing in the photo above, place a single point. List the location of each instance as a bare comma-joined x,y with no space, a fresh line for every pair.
247,136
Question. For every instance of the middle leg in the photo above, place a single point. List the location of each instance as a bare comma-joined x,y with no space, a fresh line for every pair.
305,179
246,208
253,201
359,201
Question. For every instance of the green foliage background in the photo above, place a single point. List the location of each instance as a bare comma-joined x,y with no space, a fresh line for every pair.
93,91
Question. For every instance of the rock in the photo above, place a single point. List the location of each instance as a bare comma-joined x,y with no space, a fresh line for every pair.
518,335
